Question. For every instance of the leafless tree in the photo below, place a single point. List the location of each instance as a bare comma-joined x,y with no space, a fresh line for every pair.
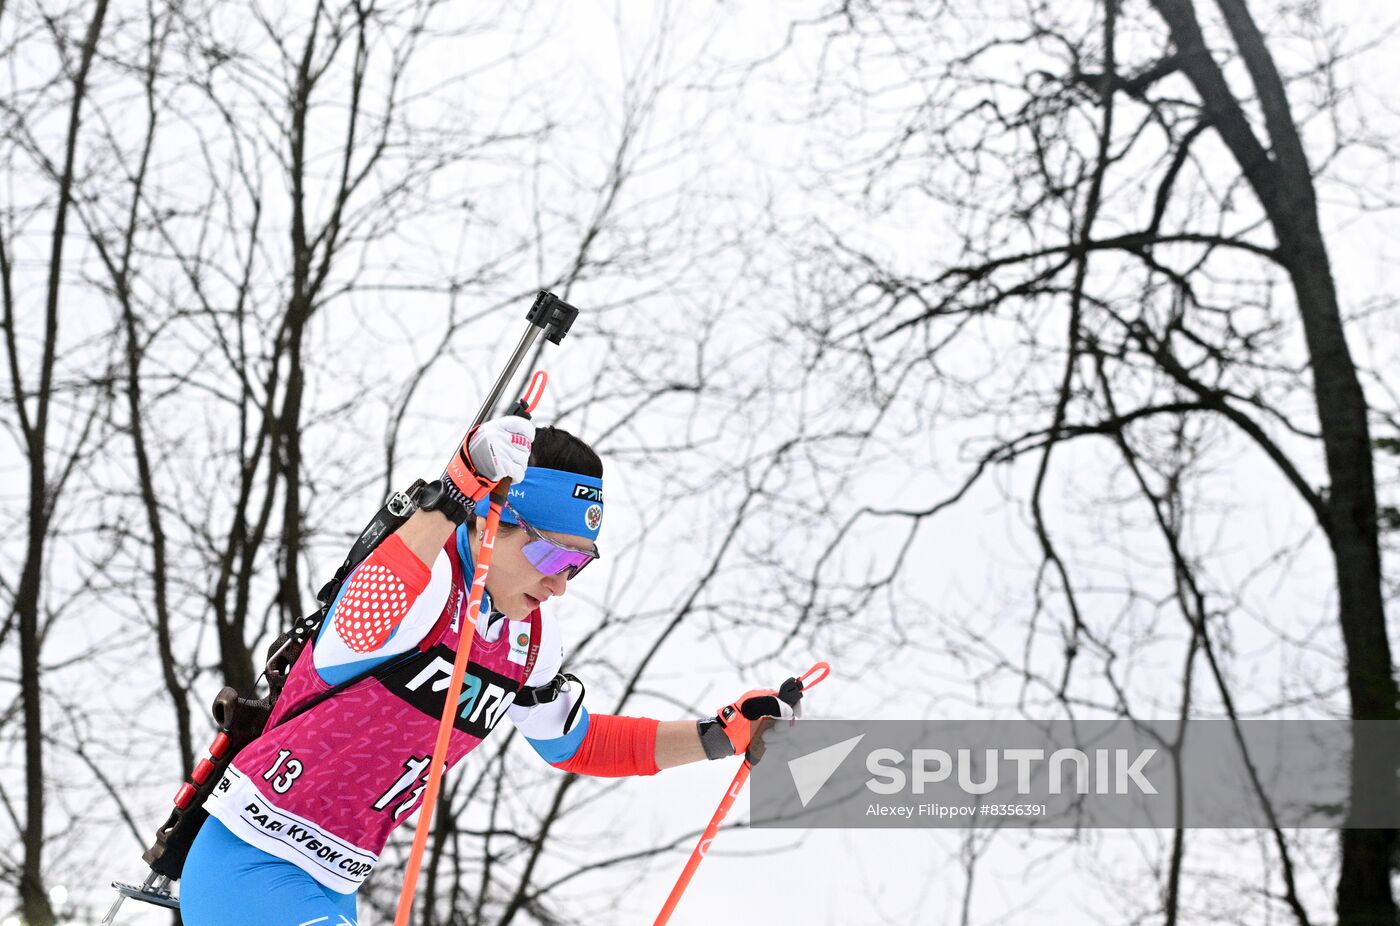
241,187
42,412
1131,193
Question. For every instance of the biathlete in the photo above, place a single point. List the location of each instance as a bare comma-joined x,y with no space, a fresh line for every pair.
299,819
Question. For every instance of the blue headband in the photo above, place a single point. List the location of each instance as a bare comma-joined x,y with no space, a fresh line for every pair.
554,500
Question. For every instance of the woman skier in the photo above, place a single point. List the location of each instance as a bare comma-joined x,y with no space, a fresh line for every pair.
299,819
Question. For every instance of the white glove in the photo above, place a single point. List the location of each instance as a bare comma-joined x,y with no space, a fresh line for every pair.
500,448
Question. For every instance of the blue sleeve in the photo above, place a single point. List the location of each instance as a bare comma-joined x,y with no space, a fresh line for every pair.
562,748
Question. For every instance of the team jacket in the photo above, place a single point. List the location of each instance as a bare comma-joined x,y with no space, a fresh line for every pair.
324,789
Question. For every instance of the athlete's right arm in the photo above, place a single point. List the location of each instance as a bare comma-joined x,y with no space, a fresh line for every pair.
379,594
394,587
393,596
498,449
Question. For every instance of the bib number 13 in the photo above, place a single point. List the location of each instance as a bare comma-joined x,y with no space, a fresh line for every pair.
290,768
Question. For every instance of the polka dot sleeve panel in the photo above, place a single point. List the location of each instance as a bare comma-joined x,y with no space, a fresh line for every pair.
379,595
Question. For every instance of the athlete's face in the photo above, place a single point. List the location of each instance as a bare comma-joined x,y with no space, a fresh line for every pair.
516,586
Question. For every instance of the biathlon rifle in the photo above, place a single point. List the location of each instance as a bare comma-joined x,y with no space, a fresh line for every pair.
240,720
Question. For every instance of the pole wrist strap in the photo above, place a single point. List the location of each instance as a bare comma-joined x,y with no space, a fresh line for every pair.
713,738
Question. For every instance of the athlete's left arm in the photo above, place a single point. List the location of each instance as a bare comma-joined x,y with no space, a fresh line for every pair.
568,737
611,746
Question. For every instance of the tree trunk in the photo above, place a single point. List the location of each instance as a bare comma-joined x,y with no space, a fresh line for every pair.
34,901
1363,888
1282,180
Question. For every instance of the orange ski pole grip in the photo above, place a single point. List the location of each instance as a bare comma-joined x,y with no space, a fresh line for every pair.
812,676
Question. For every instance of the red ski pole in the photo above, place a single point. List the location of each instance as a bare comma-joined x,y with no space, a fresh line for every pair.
740,777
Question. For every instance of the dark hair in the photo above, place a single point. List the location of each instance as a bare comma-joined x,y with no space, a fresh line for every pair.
556,448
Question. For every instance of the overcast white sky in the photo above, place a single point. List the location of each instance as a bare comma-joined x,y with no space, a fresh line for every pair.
974,564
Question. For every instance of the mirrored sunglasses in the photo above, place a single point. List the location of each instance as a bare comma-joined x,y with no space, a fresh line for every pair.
550,557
